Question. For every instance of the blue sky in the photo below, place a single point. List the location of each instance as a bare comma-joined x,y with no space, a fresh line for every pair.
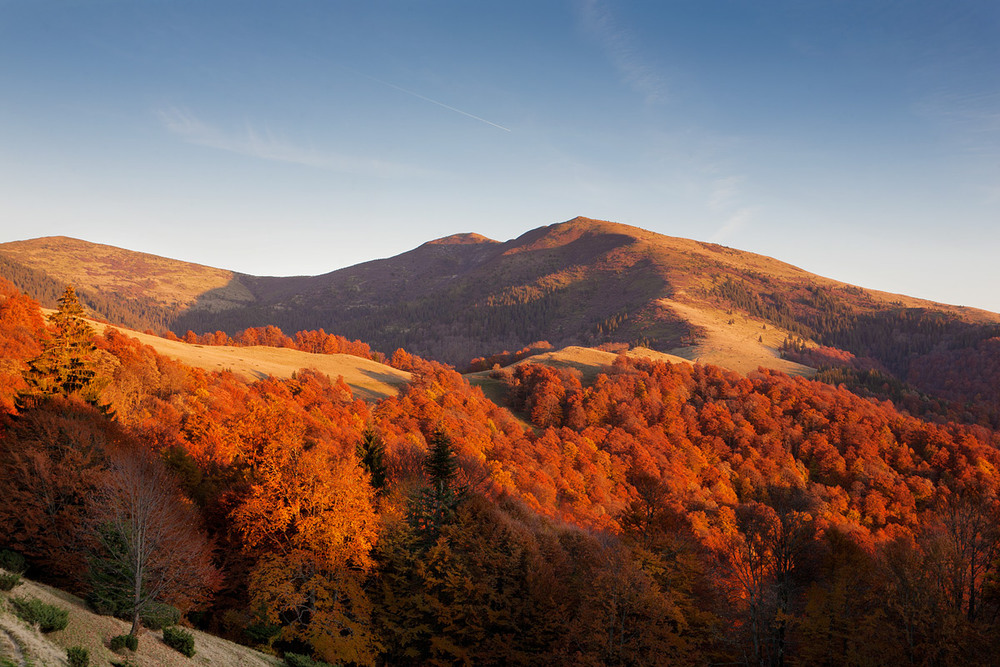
859,140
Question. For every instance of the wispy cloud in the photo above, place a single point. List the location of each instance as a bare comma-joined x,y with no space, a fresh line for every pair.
622,48
428,99
726,200
733,224
265,145
724,192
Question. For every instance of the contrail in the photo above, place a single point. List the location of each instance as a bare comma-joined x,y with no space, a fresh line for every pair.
427,99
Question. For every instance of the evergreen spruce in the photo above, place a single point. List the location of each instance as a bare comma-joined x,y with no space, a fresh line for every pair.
371,455
65,365
434,506
440,464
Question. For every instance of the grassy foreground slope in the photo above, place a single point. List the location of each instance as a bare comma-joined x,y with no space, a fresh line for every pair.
24,645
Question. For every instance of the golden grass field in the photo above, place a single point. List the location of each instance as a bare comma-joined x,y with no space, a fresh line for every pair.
368,379
743,346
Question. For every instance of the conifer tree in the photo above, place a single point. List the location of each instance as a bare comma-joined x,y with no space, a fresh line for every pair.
434,506
65,365
440,464
371,455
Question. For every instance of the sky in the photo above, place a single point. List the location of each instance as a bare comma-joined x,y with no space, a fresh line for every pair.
859,140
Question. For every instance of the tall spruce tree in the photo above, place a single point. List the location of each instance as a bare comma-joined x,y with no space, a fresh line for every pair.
371,455
435,505
66,364
440,464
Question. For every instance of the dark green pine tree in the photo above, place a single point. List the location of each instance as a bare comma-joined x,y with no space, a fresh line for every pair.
440,465
371,455
66,364
435,505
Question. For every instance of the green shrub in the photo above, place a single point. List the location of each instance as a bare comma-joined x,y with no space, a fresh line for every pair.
159,615
118,642
78,656
103,606
181,640
48,617
261,633
299,660
9,580
12,561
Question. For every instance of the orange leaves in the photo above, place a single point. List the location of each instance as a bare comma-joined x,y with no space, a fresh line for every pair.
307,520
21,328
306,500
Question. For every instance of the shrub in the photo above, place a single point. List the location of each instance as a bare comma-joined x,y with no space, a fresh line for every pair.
181,640
118,642
160,615
12,561
261,633
105,606
299,660
48,617
8,580
78,656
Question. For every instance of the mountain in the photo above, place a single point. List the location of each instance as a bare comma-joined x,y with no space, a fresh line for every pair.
581,282
613,483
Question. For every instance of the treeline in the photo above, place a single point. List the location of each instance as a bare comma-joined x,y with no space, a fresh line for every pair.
314,342
506,358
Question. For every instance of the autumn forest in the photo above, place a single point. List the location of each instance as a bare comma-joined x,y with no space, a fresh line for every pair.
658,514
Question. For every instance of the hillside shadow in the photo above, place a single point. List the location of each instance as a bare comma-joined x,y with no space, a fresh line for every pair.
386,378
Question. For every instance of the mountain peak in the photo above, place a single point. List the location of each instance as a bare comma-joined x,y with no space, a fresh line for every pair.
468,238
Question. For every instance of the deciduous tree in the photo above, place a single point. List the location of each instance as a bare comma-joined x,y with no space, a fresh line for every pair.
149,542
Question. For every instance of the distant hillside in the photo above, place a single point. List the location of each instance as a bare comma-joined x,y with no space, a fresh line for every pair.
582,282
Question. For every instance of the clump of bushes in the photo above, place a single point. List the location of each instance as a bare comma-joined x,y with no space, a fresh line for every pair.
299,660
77,656
48,617
12,561
179,640
118,642
159,615
9,580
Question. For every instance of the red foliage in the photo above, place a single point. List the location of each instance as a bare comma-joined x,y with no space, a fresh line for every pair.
21,330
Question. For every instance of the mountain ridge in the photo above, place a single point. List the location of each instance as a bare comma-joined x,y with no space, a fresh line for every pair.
580,282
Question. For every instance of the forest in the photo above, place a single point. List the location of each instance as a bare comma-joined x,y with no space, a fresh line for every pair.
662,514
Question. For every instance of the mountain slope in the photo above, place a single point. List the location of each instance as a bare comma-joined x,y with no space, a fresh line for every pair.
581,282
